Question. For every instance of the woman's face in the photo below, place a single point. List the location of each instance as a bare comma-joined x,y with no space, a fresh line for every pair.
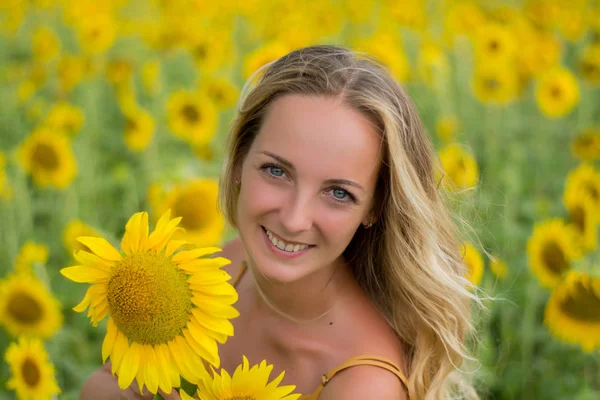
307,184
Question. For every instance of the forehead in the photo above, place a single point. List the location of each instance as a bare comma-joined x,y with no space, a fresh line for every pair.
322,135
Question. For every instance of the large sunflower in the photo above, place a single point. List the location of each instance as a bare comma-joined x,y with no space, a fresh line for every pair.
28,308
48,157
551,249
247,383
32,375
166,309
573,311
196,203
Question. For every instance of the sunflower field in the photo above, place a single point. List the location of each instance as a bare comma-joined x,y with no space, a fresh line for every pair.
114,112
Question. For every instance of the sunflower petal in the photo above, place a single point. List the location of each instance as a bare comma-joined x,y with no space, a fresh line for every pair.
87,299
129,365
101,247
178,357
204,346
210,323
141,373
204,264
82,274
109,339
88,259
165,227
119,349
163,370
173,246
170,366
184,395
209,278
189,255
131,239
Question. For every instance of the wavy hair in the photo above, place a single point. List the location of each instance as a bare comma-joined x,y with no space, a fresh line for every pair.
409,261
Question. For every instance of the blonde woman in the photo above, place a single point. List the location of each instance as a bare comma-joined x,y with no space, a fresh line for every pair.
348,265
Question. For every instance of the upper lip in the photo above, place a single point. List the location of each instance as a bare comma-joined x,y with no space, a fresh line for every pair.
285,240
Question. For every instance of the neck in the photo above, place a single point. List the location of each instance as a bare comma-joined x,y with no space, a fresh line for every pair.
306,301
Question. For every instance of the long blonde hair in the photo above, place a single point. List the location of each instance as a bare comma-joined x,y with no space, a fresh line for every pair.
409,261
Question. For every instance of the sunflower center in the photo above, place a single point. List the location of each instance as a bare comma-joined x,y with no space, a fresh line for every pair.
578,217
556,92
554,258
45,156
592,191
190,113
189,208
582,304
494,45
149,298
130,125
492,83
31,372
24,308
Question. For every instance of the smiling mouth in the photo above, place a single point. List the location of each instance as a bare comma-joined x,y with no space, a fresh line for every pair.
283,245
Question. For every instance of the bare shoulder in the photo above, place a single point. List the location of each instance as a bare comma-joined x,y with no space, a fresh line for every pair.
364,382
234,251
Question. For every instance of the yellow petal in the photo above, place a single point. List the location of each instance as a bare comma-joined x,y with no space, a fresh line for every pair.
87,299
91,260
184,395
209,278
141,373
178,356
170,366
174,245
82,274
131,239
109,339
189,255
129,365
210,323
120,348
202,265
151,373
203,345
165,227
163,370
101,247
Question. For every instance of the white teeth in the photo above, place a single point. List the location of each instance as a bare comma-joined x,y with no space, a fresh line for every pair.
283,246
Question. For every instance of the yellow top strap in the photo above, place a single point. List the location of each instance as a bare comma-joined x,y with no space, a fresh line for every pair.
376,361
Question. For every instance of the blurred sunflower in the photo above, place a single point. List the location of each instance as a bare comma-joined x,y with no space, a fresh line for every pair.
446,127
30,253
571,22
48,157
583,216
495,43
221,91
245,383
167,310
433,64
150,75
459,166
541,51
263,55
573,311
557,92
28,308
71,70
543,13
495,83
473,262
64,117
119,72
498,268
388,50
74,229
45,44
551,249
589,63
585,178
463,18
211,49
192,117
586,146
139,128
196,203
32,374
96,33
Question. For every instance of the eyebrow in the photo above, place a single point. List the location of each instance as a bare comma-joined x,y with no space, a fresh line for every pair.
289,165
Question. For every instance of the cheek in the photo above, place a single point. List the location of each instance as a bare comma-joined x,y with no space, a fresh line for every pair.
338,226
257,197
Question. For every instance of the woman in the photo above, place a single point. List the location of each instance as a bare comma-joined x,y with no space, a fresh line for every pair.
348,265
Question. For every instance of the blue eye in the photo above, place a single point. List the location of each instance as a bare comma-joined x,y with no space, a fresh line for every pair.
275,171
340,194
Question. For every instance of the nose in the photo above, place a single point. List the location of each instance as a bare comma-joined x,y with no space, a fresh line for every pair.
297,213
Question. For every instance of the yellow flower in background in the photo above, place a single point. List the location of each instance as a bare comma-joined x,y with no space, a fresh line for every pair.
589,63
64,117
151,76
495,83
119,72
74,229
26,90
541,51
583,217
221,91
474,263
48,157
463,18
96,33
196,203
460,168
557,93
29,254
408,13
245,383
45,44
551,249
573,311
167,309
498,268
544,13
388,50
262,56
585,178
192,117
446,127
586,146
433,65
572,21
211,49
32,373
28,308
71,70
495,43
139,128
